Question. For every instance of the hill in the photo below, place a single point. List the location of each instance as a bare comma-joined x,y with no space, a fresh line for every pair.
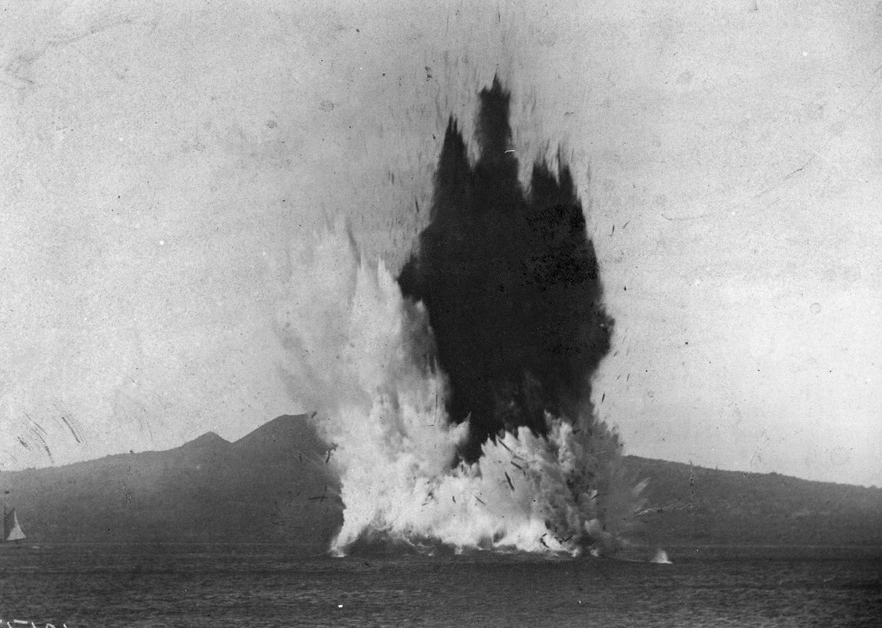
274,486
697,506
271,486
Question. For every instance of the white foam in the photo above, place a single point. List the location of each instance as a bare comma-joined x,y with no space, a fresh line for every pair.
356,354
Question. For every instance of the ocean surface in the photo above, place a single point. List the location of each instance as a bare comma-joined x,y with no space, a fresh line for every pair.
258,585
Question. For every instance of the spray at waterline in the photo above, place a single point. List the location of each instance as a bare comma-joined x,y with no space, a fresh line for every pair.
499,314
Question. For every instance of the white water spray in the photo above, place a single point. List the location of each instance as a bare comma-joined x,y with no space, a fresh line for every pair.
357,354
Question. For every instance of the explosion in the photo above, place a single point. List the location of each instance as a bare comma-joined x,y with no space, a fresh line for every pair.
511,284
458,395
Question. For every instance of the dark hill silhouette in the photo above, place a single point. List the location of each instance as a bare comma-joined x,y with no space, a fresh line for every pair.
271,486
274,486
285,436
207,442
697,506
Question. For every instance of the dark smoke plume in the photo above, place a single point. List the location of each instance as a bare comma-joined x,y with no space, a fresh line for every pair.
510,280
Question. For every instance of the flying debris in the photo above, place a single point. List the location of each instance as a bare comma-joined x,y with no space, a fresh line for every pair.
479,353
508,478
429,497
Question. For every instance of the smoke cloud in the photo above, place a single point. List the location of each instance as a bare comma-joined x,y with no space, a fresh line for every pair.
511,284
456,396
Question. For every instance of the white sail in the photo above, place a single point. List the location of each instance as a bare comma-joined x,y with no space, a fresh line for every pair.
11,529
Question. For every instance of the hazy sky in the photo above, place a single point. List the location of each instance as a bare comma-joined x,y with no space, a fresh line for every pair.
159,161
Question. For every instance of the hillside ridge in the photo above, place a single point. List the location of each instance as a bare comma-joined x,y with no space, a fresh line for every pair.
275,485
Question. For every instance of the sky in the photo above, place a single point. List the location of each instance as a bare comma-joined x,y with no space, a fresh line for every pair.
159,162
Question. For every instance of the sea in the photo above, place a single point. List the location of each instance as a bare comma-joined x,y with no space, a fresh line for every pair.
266,585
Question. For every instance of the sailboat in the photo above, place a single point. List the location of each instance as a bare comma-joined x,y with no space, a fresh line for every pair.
11,529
